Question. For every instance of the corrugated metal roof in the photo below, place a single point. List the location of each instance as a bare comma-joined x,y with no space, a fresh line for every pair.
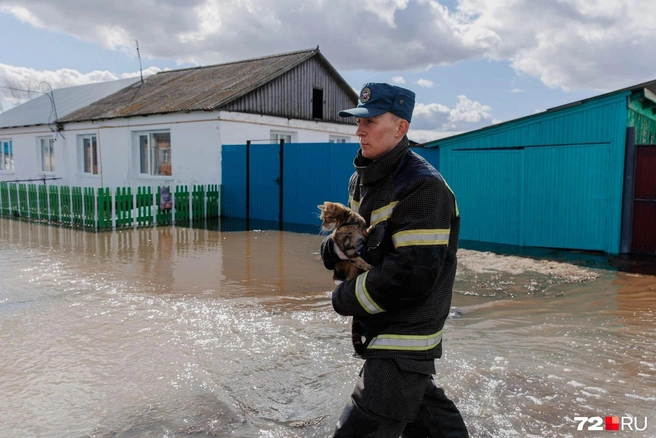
39,111
196,89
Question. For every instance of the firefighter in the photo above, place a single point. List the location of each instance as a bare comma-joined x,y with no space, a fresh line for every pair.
404,300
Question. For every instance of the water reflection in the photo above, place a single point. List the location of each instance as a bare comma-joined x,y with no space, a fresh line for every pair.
198,331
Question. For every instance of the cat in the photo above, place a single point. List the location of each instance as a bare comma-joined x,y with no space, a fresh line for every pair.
349,230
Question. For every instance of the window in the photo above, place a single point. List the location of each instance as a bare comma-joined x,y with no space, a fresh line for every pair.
154,153
317,103
47,152
89,154
276,136
337,139
6,155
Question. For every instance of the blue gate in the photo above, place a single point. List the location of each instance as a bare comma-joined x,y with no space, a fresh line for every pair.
251,181
288,191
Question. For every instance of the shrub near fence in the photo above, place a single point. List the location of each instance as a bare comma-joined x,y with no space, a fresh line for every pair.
100,209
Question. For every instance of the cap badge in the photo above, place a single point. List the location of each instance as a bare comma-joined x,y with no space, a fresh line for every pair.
365,95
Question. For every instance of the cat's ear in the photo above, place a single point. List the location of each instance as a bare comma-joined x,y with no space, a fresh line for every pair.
321,207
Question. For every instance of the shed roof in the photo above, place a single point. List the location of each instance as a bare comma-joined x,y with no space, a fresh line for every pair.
199,88
40,110
643,91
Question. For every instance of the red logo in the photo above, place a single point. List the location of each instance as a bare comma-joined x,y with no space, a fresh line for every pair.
612,423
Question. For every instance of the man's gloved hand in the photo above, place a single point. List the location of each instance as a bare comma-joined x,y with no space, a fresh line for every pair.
328,255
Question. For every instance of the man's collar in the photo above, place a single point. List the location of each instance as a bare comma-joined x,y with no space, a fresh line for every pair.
371,171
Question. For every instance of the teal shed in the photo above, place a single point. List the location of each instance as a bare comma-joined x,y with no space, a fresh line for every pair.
579,176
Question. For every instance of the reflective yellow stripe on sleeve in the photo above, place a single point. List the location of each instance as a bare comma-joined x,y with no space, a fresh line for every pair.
381,214
421,237
406,342
363,296
353,204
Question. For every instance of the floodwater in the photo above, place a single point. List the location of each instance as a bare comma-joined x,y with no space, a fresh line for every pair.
176,332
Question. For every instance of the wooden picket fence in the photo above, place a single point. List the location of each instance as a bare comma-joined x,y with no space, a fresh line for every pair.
103,209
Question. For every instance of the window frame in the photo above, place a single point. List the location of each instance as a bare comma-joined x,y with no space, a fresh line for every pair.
82,155
7,165
146,160
275,136
338,139
42,162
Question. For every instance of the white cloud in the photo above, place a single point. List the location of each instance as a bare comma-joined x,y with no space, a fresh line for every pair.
425,83
516,90
574,44
424,136
398,80
434,120
469,112
430,116
416,34
601,44
37,81
64,77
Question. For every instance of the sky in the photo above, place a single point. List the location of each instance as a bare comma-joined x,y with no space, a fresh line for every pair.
471,63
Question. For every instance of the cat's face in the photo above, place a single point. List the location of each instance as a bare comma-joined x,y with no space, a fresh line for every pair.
332,214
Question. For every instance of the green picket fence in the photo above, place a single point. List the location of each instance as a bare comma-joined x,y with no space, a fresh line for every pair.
103,209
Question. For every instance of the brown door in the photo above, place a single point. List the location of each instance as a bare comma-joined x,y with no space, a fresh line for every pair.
643,240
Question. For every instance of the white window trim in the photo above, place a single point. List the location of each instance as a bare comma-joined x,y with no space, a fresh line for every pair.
80,156
39,149
274,136
4,171
339,139
136,154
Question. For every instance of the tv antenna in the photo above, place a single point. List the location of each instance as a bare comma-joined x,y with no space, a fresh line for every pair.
139,56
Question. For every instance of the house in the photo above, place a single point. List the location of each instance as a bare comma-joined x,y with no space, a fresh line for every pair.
170,129
579,176
28,133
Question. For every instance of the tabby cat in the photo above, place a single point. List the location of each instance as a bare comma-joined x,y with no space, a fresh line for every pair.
349,230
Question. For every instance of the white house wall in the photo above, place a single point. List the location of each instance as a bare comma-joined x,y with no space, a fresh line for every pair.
196,140
25,144
237,128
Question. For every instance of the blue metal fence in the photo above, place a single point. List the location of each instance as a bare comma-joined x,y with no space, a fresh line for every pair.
312,173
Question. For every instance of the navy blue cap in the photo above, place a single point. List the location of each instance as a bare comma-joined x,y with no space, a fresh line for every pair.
378,98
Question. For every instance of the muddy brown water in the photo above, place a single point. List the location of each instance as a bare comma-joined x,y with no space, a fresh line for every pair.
175,332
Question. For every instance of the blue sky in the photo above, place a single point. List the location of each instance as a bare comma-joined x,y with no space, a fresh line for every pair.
470,62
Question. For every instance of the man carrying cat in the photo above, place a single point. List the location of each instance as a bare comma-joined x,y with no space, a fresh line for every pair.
404,300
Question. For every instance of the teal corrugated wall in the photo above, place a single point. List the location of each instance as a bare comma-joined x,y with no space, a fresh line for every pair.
482,189
568,195
554,179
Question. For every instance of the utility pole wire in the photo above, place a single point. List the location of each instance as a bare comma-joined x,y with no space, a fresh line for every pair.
20,89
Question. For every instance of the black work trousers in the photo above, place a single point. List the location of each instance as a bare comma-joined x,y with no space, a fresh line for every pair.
389,401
